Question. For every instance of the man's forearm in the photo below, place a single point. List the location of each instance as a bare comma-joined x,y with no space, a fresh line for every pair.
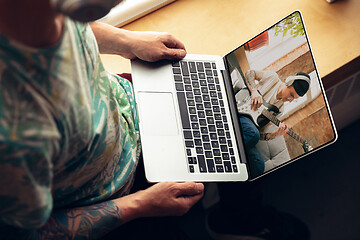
111,40
250,80
90,222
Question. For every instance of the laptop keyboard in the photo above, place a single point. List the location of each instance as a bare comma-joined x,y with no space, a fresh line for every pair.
206,132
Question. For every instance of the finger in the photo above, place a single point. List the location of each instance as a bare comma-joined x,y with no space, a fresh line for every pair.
190,189
172,42
174,54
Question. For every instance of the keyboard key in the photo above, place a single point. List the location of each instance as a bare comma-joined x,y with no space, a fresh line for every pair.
194,77
202,164
188,152
179,87
184,68
198,99
214,144
192,67
199,106
200,66
191,169
224,148
219,168
227,166
235,169
178,78
208,154
207,146
193,118
210,120
198,142
196,134
199,150
212,128
213,136
221,132
216,152
225,156
189,144
207,65
208,72
207,104
210,165
202,75
218,160
208,112
206,97
202,122
205,138
231,151
187,80
222,140
201,114
183,110
188,88
188,135
175,64
194,125
204,130
233,160
213,65
203,83
189,94
176,70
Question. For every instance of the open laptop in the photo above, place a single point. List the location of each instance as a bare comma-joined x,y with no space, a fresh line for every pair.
191,111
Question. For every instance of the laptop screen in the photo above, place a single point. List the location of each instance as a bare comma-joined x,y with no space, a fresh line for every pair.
280,100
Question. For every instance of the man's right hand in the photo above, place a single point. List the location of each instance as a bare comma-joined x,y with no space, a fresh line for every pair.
169,198
256,100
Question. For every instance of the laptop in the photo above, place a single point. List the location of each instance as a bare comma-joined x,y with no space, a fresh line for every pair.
192,112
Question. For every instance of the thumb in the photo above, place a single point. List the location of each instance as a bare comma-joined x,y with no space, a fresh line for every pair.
190,189
174,54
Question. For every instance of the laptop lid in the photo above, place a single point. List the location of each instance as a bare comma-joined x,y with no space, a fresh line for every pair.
280,65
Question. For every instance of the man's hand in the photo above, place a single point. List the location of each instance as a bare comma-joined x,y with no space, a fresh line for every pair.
281,130
169,199
154,46
256,100
148,46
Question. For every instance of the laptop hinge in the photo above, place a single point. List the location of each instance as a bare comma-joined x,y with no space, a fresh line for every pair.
234,115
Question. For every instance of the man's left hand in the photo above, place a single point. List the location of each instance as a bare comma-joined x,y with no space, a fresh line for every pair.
154,46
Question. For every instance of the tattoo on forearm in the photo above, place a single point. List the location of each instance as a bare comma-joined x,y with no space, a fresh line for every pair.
250,79
88,222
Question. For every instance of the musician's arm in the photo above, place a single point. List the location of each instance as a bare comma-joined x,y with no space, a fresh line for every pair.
250,77
280,131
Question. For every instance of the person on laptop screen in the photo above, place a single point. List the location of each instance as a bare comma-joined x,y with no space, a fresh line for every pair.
69,137
266,87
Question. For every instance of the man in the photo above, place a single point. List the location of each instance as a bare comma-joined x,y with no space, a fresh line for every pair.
69,138
275,92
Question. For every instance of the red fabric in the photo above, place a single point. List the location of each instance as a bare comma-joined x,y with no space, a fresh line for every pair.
126,76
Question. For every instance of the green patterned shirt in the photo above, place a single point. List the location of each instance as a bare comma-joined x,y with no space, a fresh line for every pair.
68,128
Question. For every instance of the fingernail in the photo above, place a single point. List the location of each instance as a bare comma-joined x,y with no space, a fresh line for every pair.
199,187
182,53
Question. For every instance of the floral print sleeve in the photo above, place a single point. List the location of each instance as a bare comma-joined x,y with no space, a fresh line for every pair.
68,128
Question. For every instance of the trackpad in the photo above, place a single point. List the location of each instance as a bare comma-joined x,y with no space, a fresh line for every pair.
157,114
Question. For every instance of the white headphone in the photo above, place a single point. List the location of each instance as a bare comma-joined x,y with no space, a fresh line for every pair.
84,10
290,80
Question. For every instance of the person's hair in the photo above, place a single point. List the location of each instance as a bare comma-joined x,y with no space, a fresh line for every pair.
300,85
